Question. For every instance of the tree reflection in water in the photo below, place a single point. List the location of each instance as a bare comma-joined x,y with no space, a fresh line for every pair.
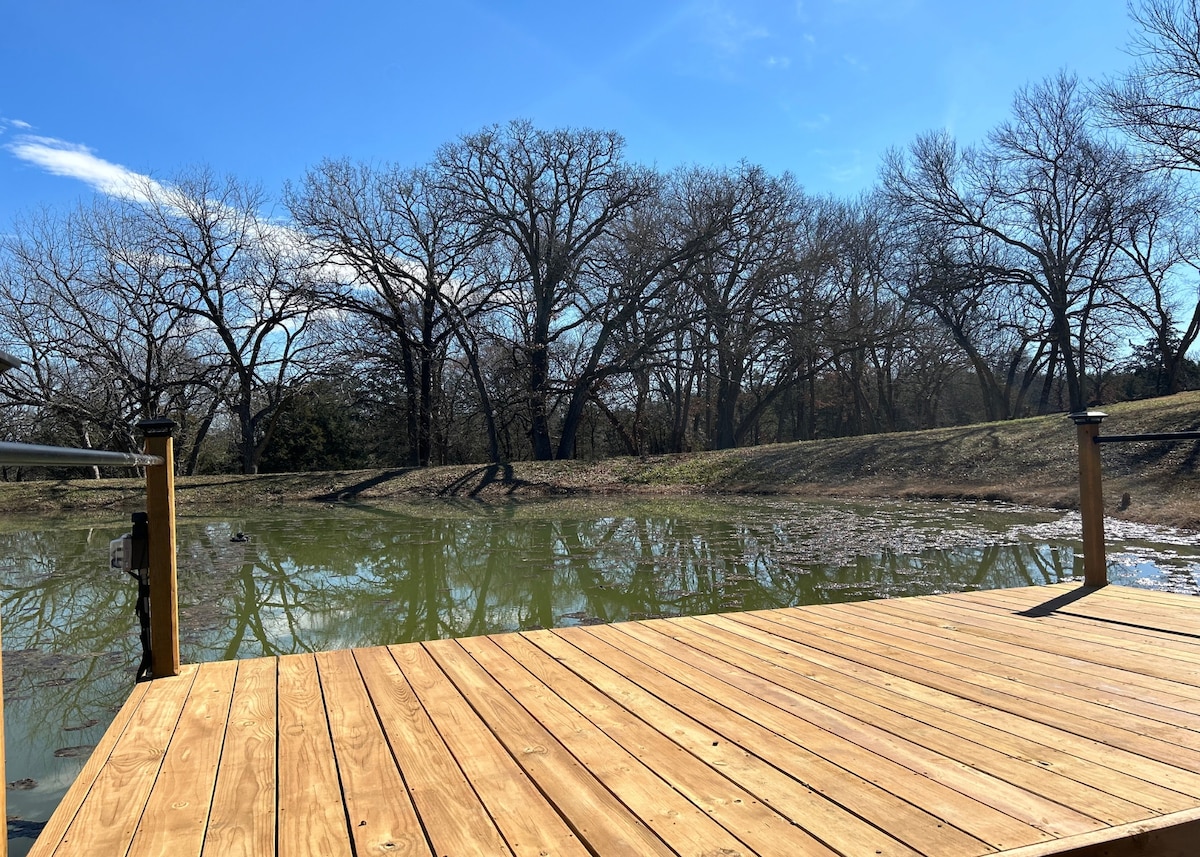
313,579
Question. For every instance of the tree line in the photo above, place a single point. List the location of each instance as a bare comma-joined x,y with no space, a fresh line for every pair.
532,293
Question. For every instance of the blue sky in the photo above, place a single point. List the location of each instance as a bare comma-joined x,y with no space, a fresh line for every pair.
90,91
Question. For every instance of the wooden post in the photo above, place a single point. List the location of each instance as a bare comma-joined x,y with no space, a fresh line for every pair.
1091,498
164,588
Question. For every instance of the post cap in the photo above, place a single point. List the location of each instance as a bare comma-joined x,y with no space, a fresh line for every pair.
1082,418
158,427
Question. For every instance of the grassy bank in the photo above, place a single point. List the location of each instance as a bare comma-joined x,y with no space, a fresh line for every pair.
1027,461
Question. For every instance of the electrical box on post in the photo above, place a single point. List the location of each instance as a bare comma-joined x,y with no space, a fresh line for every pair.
120,553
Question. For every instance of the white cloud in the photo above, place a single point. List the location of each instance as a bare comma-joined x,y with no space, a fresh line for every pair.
61,158
6,124
779,62
76,161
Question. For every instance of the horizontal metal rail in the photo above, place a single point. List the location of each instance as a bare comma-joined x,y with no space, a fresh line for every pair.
1167,435
30,454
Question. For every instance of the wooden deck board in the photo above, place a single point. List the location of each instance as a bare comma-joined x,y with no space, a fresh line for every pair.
840,786
312,820
1028,722
181,801
1084,761
242,821
988,751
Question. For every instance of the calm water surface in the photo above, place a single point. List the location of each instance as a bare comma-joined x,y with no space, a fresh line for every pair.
316,578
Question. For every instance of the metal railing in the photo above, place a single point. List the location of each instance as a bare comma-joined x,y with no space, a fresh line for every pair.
33,455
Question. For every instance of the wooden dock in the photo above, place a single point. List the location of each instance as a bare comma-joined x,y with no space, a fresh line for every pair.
1047,720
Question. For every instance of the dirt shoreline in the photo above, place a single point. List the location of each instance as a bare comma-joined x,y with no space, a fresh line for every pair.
1031,461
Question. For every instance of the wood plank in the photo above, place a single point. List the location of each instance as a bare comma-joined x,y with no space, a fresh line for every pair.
600,821
455,821
1160,717
79,790
527,821
182,796
1029,685
1139,602
1149,738
1012,637
1040,721
106,822
382,818
1097,611
739,811
965,777
1036,606
981,703
1111,644
799,782
242,821
1179,601
1173,835
989,751
993,827
684,826
312,819
1018,664
1084,760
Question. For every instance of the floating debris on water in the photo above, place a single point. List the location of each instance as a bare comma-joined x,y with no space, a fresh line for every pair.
55,682
74,752
87,724
22,785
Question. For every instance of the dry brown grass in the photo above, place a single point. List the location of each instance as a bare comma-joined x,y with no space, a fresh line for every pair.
1027,461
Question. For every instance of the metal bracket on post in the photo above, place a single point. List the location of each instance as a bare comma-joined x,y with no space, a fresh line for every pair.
164,587
1091,498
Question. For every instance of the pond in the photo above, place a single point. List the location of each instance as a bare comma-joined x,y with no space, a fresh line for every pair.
314,578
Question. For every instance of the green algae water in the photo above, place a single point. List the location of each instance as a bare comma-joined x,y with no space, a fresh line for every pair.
314,578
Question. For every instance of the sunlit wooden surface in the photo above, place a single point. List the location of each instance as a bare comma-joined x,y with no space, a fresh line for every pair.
1032,721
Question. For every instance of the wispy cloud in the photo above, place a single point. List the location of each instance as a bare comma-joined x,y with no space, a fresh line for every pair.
7,124
79,162
856,63
843,166
817,123
72,160
726,31
780,63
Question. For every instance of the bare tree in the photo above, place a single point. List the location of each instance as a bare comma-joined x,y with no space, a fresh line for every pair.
546,197
1052,191
1161,246
102,348
1157,101
244,283
395,253
759,282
